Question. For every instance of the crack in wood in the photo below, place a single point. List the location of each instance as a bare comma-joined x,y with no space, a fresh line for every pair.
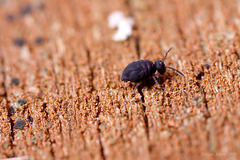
98,129
145,118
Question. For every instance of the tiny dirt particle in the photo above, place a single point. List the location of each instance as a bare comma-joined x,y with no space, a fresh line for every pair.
15,81
26,10
39,40
19,124
21,102
10,17
19,42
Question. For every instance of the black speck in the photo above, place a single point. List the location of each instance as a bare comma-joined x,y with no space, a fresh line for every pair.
26,10
30,119
19,42
10,17
11,110
19,124
21,102
15,81
39,40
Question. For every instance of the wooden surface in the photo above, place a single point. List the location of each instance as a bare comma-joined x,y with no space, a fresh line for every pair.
80,108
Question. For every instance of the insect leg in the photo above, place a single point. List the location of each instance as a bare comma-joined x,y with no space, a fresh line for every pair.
136,87
155,80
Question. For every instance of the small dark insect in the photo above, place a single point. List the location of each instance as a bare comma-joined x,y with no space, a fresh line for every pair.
19,124
140,70
21,102
15,81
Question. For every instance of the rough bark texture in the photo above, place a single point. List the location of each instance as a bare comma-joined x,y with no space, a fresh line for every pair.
69,73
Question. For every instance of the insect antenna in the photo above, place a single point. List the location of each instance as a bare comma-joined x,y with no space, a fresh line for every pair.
176,70
167,54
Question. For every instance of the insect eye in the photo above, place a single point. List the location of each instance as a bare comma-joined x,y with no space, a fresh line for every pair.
160,67
159,64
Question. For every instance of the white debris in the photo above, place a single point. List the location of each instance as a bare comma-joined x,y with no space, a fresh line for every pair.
114,18
123,24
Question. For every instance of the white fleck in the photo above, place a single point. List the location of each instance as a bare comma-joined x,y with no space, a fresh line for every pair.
123,24
114,18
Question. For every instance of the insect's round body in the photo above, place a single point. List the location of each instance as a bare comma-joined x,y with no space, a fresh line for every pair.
138,71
